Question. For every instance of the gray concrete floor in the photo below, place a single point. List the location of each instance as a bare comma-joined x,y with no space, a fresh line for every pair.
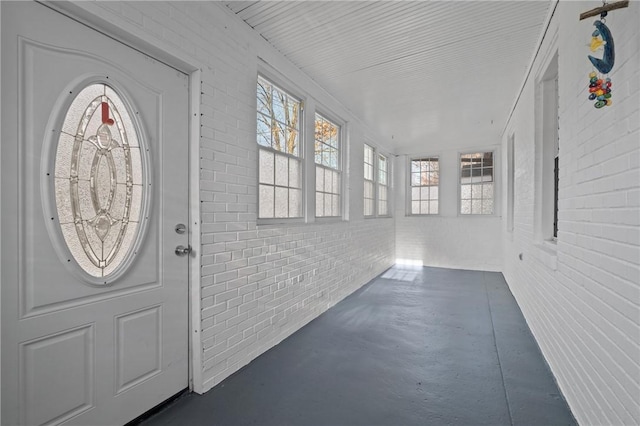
423,346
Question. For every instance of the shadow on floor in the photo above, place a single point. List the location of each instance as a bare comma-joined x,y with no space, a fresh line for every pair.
415,346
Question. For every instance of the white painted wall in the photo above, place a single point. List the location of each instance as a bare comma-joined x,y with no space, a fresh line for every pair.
581,296
448,240
259,284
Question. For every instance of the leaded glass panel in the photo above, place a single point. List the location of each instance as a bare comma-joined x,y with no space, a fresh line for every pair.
98,180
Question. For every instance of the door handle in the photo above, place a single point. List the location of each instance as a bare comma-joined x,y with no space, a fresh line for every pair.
182,250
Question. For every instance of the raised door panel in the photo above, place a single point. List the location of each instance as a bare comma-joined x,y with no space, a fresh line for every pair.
71,352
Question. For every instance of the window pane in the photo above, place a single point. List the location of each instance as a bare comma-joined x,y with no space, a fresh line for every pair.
465,207
476,191
295,203
282,170
294,173
487,191
368,172
465,192
279,102
319,178
433,193
487,207
424,193
335,205
292,141
415,194
326,156
266,167
263,94
282,202
424,207
327,205
368,208
328,182
368,190
266,201
319,204
433,207
382,169
263,131
382,192
415,207
476,206
415,179
335,162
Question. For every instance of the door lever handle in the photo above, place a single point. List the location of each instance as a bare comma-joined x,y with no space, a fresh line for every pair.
182,250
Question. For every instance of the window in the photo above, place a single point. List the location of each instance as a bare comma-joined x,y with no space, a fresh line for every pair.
547,154
383,185
476,183
327,159
511,181
425,180
555,140
556,181
369,188
280,164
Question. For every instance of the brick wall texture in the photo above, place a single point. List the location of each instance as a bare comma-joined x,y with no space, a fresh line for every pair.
260,283
581,296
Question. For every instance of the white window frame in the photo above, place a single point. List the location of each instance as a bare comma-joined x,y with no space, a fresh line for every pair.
301,158
511,181
410,186
380,185
375,182
495,209
340,167
547,149
372,182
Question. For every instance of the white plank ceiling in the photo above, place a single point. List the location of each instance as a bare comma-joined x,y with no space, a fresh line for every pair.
425,75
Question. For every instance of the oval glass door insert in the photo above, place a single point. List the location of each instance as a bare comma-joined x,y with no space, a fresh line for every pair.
99,180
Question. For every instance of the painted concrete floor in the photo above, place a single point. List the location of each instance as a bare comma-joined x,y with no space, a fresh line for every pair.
425,346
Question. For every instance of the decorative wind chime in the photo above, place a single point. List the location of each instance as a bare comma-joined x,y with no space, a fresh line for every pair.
602,40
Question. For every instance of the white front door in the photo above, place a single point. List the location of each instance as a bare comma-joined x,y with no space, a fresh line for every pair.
94,181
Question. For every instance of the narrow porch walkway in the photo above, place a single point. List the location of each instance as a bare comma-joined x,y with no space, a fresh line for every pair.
424,346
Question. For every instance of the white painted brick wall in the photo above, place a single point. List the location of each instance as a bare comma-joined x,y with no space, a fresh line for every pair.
259,284
448,240
582,297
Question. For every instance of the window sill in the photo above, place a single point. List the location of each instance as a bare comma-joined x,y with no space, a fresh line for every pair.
279,222
327,220
268,223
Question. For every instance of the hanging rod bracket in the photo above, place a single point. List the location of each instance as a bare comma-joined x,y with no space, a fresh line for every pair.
606,8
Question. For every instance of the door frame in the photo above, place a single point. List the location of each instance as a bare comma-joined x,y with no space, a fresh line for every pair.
113,26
